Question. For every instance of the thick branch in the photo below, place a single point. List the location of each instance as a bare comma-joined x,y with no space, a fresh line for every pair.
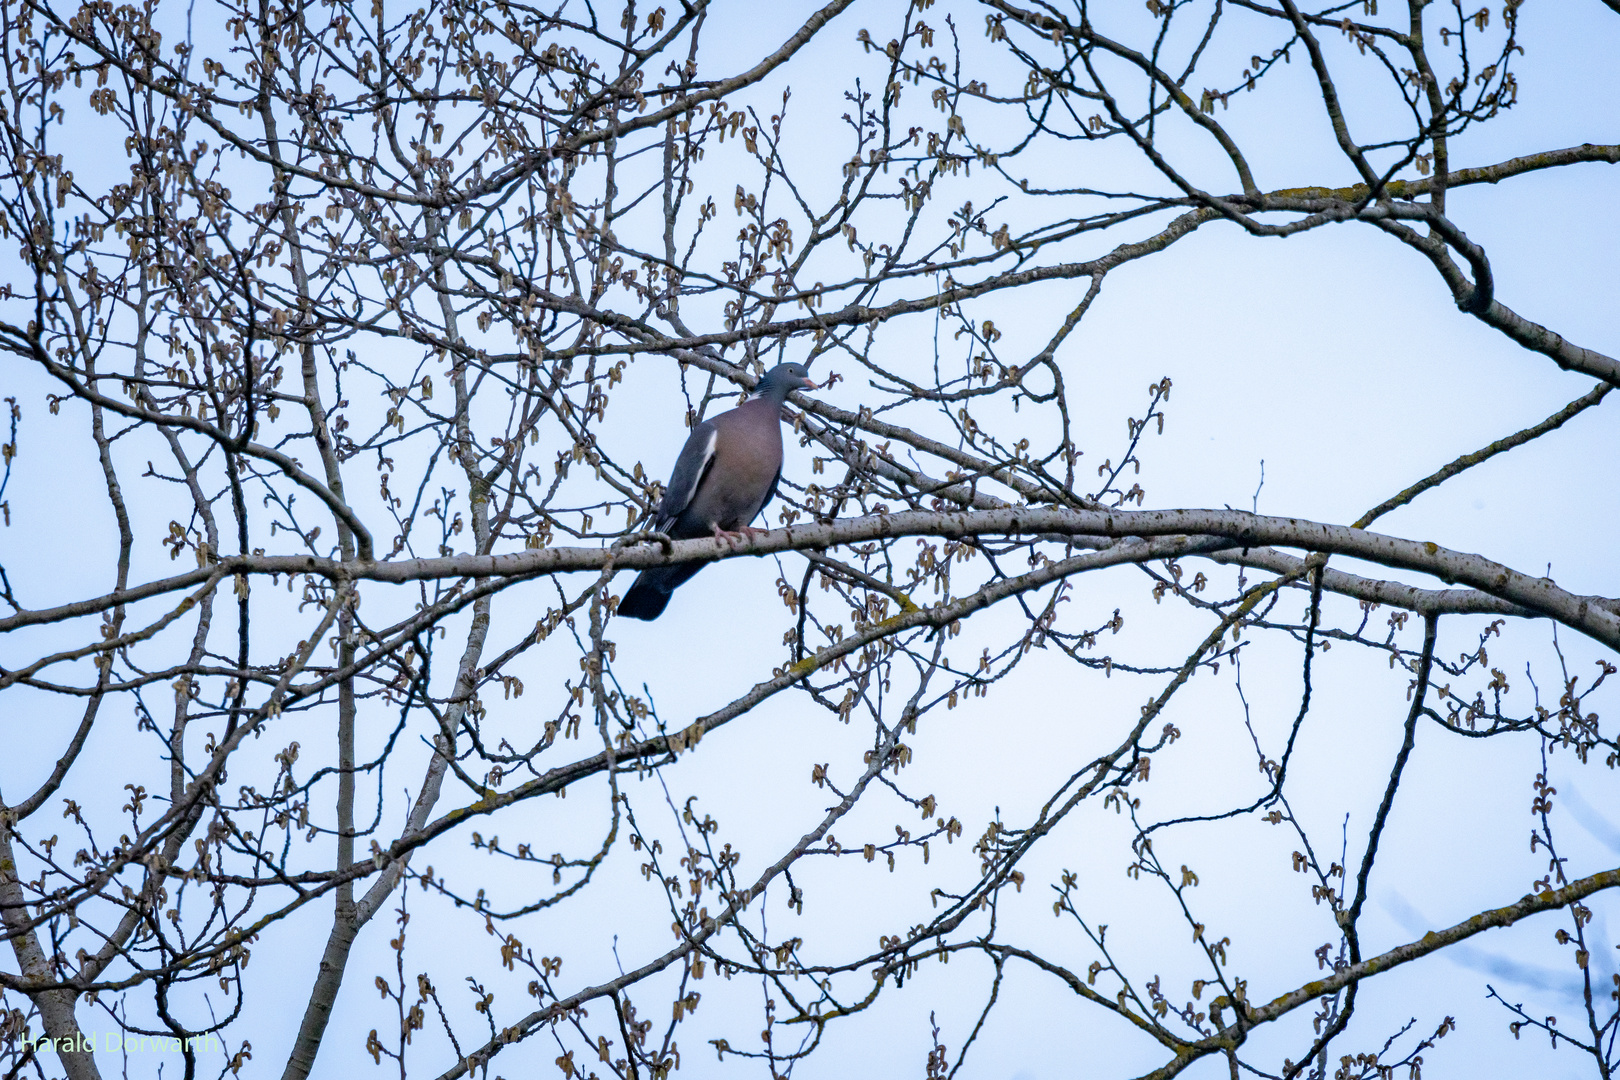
1597,617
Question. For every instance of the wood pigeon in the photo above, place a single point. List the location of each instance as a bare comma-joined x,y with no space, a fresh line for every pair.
725,475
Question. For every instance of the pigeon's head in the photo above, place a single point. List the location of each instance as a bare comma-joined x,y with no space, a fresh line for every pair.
782,380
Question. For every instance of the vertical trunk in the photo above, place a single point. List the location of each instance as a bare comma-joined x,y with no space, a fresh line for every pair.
55,1006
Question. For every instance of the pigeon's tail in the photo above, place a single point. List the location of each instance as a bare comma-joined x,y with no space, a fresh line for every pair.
650,593
645,600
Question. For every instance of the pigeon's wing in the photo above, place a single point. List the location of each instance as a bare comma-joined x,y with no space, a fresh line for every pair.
697,458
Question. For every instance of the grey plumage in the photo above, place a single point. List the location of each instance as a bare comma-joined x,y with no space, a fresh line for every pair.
726,474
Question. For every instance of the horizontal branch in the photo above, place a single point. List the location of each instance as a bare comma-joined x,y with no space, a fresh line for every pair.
1483,174
1389,593
1595,616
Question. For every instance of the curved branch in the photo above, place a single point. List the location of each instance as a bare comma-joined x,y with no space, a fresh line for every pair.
24,342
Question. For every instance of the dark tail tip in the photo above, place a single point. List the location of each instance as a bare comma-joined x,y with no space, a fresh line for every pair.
644,600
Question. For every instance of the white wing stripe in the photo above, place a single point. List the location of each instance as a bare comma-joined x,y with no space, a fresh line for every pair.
688,473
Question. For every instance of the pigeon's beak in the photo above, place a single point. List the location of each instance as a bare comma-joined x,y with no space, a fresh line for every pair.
808,385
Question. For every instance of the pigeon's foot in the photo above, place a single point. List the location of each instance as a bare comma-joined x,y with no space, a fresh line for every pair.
737,536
